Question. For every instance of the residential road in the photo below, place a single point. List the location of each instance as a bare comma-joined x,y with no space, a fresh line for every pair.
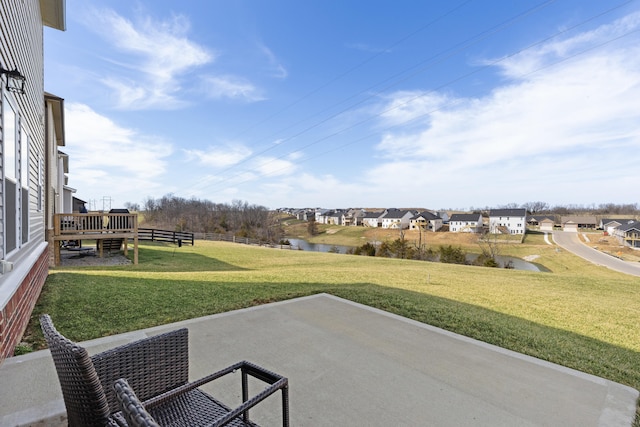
571,242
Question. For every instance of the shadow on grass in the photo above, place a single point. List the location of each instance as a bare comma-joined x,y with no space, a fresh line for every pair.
84,307
172,259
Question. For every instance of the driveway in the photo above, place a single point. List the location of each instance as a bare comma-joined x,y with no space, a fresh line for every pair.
571,242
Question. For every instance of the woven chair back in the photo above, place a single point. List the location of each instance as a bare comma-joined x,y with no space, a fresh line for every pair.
83,395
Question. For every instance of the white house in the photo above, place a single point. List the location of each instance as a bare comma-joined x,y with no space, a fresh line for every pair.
508,221
32,129
372,219
465,223
320,215
396,218
426,221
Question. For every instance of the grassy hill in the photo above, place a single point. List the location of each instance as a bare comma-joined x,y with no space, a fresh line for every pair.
579,315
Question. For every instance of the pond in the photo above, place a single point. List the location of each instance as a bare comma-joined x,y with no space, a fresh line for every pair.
517,263
317,247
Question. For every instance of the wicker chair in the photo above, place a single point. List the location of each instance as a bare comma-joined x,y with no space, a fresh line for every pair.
157,368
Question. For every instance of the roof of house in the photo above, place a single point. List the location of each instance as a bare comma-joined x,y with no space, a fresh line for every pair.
396,213
373,215
466,217
579,219
609,222
620,221
635,225
540,218
429,216
508,212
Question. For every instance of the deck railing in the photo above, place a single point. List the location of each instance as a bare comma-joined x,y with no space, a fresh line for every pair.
96,226
86,223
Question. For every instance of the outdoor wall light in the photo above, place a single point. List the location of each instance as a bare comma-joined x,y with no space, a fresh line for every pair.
15,80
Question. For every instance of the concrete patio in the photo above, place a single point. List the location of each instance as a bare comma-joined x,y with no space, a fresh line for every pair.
352,365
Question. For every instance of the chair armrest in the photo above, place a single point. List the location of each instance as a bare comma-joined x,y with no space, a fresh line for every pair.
152,365
276,382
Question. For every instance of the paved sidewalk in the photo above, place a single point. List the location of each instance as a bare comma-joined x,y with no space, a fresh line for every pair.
352,365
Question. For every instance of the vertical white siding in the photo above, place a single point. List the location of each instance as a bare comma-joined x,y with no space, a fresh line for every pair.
21,47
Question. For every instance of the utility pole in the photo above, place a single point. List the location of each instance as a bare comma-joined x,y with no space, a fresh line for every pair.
106,203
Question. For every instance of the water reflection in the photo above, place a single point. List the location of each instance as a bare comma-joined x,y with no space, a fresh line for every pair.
318,247
513,262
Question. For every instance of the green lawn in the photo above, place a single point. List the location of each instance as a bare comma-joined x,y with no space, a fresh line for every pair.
578,315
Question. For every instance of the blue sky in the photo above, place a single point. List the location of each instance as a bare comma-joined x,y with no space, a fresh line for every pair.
351,104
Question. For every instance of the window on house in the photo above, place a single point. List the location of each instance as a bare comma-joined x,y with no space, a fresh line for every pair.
24,183
10,176
40,183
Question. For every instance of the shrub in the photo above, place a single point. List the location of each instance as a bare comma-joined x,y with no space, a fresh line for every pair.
452,255
367,249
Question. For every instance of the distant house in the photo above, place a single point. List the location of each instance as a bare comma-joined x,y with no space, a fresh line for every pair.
507,221
426,221
628,234
352,217
547,224
608,225
335,217
575,223
372,219
465,223
535,220
397,218
321,215
444,216
543,222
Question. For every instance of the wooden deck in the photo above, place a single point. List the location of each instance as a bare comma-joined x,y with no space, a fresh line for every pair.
98,227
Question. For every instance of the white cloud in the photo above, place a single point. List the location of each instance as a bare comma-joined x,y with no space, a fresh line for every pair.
278,69
109,159
540,56
555,129
161,55
406,106
219,156
231,87
271,166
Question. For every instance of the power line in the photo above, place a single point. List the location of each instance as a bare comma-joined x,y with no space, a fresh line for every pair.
357,66
480,69
328,83
450,52
406,122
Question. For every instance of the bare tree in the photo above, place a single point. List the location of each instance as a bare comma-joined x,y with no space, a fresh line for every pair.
490,248
536,207
239,218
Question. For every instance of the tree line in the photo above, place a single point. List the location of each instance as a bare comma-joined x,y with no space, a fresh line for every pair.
541,208
203,216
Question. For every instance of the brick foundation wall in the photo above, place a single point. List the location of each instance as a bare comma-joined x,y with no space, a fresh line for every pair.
15,316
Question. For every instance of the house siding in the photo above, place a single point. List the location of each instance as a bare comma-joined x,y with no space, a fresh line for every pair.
513,221
25,268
